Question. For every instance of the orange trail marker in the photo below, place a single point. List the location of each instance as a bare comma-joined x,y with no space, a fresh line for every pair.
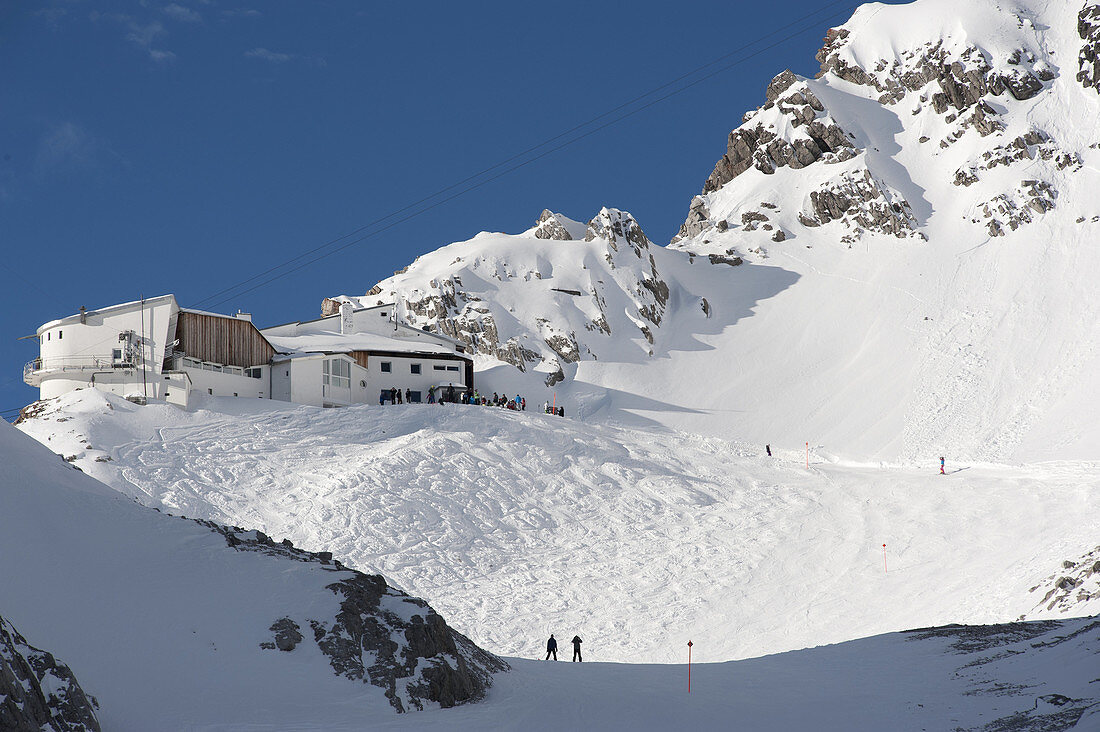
884,569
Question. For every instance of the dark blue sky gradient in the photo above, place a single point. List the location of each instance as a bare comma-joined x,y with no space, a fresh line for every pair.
184,147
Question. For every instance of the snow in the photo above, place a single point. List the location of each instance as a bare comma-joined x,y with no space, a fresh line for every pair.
650,515
156,617
518,524
881,348
334,342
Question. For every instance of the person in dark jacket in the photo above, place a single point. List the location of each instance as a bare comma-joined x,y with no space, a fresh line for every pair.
408,396
551,648
577,648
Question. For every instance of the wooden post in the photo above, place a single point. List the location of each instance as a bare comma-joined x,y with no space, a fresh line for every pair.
689,667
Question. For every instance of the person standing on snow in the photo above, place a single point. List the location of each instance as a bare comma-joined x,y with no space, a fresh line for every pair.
577,648
769,449
941,467
551,648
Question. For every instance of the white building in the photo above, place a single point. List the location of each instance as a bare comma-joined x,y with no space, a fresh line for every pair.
352,356
156,349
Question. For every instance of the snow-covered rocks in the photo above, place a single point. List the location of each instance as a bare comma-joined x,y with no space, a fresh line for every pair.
1077,582
39,693
542,300
1088,59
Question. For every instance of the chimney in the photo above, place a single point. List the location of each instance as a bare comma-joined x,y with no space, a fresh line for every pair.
347,319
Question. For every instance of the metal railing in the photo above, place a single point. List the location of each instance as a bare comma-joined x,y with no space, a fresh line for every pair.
59,364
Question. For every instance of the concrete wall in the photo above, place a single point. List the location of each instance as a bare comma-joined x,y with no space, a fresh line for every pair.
71,352
221,383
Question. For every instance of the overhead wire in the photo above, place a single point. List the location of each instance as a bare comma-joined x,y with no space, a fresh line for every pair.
826,12
808,22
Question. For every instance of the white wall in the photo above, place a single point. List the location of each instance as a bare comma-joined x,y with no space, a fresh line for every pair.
401,377
71,351
219,383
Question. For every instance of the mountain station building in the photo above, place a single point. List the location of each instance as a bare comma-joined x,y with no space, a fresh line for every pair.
156,349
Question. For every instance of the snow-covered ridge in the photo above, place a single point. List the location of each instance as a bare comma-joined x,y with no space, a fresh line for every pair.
544,299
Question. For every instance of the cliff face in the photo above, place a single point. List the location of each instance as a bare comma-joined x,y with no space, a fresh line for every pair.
39,692
921,115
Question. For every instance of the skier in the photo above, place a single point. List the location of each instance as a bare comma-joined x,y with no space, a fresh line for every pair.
397,393
523,405
769,449
941,467
546,407
577,648
551,648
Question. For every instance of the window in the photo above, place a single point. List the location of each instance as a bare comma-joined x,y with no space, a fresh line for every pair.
336,372
387,366
383,314
59,334
210,392
439,368
414,368
452,368
414,397
254,372
116,354
47,336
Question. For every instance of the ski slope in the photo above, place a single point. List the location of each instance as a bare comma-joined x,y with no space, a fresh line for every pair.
521,524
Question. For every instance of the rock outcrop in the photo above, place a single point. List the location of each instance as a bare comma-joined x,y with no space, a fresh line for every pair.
379,635
38,692
1074,583
1088,60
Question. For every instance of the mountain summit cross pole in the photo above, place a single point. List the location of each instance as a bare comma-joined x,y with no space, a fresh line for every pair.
689,667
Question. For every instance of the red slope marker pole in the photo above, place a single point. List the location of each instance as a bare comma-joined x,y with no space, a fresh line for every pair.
689,667
807,456
884,569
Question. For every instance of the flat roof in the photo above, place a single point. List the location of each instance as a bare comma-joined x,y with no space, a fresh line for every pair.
101,311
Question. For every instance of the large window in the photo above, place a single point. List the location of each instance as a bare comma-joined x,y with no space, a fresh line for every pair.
387,366
414,368
337,372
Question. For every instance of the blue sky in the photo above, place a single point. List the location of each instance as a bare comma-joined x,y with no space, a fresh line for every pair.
188,146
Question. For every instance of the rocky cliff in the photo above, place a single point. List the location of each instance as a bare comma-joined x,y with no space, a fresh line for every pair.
39,692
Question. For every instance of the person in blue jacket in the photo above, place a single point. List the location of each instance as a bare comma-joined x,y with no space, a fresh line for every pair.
551,648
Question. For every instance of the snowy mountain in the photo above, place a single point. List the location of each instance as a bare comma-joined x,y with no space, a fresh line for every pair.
172,623
907,234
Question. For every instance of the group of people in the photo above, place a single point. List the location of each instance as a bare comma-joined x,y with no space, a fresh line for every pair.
464,396
519,404
552,648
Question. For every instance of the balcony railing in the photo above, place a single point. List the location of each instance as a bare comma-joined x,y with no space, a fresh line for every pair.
39,367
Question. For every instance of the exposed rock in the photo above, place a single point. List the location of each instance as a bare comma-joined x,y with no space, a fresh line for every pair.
1030,199
1064,591
697,221
1022,84
862,204
38,692
434,663
779,235
549,227
1088,28
723,259
779,84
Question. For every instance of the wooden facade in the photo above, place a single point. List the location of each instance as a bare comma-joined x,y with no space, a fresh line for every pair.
228,341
